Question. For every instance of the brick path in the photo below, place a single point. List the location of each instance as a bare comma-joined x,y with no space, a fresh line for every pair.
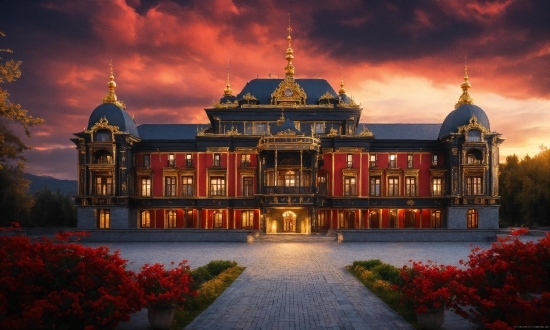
296,283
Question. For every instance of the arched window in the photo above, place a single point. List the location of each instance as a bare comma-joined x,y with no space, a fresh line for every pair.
145,219
103,157
472,218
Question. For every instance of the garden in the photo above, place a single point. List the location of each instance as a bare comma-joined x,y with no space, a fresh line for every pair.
504,287
59,284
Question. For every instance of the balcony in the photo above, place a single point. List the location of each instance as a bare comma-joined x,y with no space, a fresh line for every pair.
272,190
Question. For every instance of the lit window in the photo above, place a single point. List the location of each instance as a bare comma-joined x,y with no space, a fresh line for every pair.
372,162
248,186
145,219
188,188
472,218
375,186
410,162
437,186
410,186
146,187
217,160
474,185
245,160
217,186
103,219
322,220
434,160
393,161
393,186
349,162
218,219
436,219
171,160
170,186
189,160
350,186
171,215
247,219
104,185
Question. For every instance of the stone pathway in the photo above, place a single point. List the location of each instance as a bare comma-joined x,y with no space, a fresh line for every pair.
295,285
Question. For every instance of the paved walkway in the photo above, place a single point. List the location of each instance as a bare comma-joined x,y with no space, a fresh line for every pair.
296,283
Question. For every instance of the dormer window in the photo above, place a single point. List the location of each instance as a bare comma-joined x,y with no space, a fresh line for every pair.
474,135
103,136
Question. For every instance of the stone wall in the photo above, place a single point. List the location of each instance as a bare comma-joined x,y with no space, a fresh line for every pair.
419,235
166,235
487,216
119,217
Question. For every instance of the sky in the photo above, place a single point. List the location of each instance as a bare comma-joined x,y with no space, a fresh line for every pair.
403,61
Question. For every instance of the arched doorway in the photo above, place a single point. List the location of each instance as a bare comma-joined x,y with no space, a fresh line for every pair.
289,222
374,219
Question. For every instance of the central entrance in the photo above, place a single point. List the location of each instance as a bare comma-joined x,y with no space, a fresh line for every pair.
289,222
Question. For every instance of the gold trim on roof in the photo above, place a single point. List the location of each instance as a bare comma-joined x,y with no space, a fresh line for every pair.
103,123
332,132
288,93
111,96
249,97
366,132
327,96
474,124
227,104
286,132
465,98
351,103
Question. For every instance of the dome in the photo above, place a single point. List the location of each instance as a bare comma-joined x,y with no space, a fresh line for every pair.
115,116
461,116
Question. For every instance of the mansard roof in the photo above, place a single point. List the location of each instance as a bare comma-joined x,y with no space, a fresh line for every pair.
261,88
169,131
402,131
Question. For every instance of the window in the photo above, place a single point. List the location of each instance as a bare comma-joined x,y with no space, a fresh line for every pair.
188,219
245,160
146,161
145,219
436,219
146,187
372,161
322,220
260,129
349,161
350,186
393,161
319,128
437,186
170,186
410,186
434,160
288,179
187,186
248,186
410,162
472,218
474,156
342,223
393,186
217,186
393,219
171,216
104,185
375,186
218,219
104,158
171,160
103,136
474,185
217,160
247,219
474,136
189,160
103,219
374,219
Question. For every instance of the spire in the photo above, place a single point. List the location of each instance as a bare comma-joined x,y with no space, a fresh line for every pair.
289,69
342,89
111,96
227,91
465,98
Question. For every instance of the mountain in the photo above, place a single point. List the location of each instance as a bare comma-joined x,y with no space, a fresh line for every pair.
39,182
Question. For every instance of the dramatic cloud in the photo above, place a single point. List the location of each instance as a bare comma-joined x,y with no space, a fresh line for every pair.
402,60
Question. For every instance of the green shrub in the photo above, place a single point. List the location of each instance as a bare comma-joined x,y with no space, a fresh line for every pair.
209,271
367,264
216,267
388,273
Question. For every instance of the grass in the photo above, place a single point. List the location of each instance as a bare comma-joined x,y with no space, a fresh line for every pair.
379,278
210,281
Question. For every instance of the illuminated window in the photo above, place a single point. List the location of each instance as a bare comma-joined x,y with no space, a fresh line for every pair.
472,218
350,188
375,186
103,219
322,219
217,186
474,185
372,160
393,161
349,161
145,219
171,216
374,219
245,160
436,219
248,186
437,186
146,187
188,188
247,219
104,185
217,160
189,160
410,186
393,186
218,219
434,160
171,160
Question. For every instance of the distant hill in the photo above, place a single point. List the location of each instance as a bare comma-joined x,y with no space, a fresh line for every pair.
39,182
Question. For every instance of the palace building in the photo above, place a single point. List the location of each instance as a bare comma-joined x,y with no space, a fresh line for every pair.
287,155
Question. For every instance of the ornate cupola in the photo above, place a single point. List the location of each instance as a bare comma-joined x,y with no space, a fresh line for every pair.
111,96
465,98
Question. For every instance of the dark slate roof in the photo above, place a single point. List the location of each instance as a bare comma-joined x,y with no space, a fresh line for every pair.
169,131
461,116
402,131
262,88
115,116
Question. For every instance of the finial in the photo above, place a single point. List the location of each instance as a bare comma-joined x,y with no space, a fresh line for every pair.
227,91
111,96
289,69
342,89
465,98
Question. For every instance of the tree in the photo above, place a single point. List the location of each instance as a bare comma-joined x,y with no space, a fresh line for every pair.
53,209
14,202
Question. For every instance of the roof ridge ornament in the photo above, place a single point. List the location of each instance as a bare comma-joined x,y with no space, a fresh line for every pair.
342,89
111,96
289,69
465,98
227,91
